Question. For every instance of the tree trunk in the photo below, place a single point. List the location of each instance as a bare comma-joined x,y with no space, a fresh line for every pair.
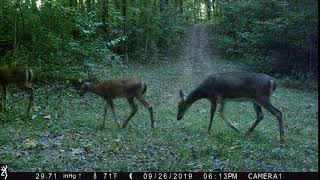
164,12
199,10
117,4
81,5
135,21
88,2
209,9
176,6
125,45
105,13
213,1
15,43
195,10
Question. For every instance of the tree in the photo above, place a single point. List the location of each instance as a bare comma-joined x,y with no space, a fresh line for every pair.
125,32
105,13
163,24
209,9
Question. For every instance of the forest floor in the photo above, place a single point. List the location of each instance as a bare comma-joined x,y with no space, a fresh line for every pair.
64,134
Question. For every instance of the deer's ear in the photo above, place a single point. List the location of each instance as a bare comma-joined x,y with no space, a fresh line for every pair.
182,96
71,83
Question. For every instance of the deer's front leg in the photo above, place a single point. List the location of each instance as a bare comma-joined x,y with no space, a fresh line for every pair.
133,112
212,112
104,115
225,119
30,90
110,102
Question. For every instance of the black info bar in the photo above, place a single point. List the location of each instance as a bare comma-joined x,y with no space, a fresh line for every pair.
158,175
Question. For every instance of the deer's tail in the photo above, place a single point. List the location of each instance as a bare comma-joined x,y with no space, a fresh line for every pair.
29,76
273,85
144,88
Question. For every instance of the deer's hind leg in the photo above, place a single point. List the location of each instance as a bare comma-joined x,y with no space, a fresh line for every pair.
30,91
133,112
259,114
149,107
265,102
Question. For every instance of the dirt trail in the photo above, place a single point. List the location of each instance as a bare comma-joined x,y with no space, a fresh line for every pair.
196,55
196,60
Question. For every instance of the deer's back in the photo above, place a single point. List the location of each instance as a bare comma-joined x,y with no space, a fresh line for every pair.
238,85
14,75
122,87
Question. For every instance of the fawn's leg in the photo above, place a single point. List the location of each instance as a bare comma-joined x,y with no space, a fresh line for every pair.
149,107
110,102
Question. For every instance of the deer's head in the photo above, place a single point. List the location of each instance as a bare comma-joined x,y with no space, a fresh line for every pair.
83,86
183,106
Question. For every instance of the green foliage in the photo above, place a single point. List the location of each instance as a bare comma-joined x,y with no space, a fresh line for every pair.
282,35
54,37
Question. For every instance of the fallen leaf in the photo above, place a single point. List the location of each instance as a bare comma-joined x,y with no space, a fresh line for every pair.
76,151
30,143
33,117
48,117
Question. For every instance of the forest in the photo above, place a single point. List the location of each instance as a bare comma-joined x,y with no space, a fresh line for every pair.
52,51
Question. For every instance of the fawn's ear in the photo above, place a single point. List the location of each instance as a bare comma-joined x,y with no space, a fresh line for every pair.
68,83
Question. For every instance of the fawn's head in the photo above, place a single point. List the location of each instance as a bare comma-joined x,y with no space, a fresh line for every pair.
83,86
183,106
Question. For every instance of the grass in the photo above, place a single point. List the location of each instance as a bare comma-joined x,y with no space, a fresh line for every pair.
64,132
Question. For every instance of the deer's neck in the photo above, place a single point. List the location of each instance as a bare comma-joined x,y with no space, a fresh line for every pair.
195,95
97,90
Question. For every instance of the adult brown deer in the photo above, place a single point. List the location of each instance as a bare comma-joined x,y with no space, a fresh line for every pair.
20,76
129,88
219,88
